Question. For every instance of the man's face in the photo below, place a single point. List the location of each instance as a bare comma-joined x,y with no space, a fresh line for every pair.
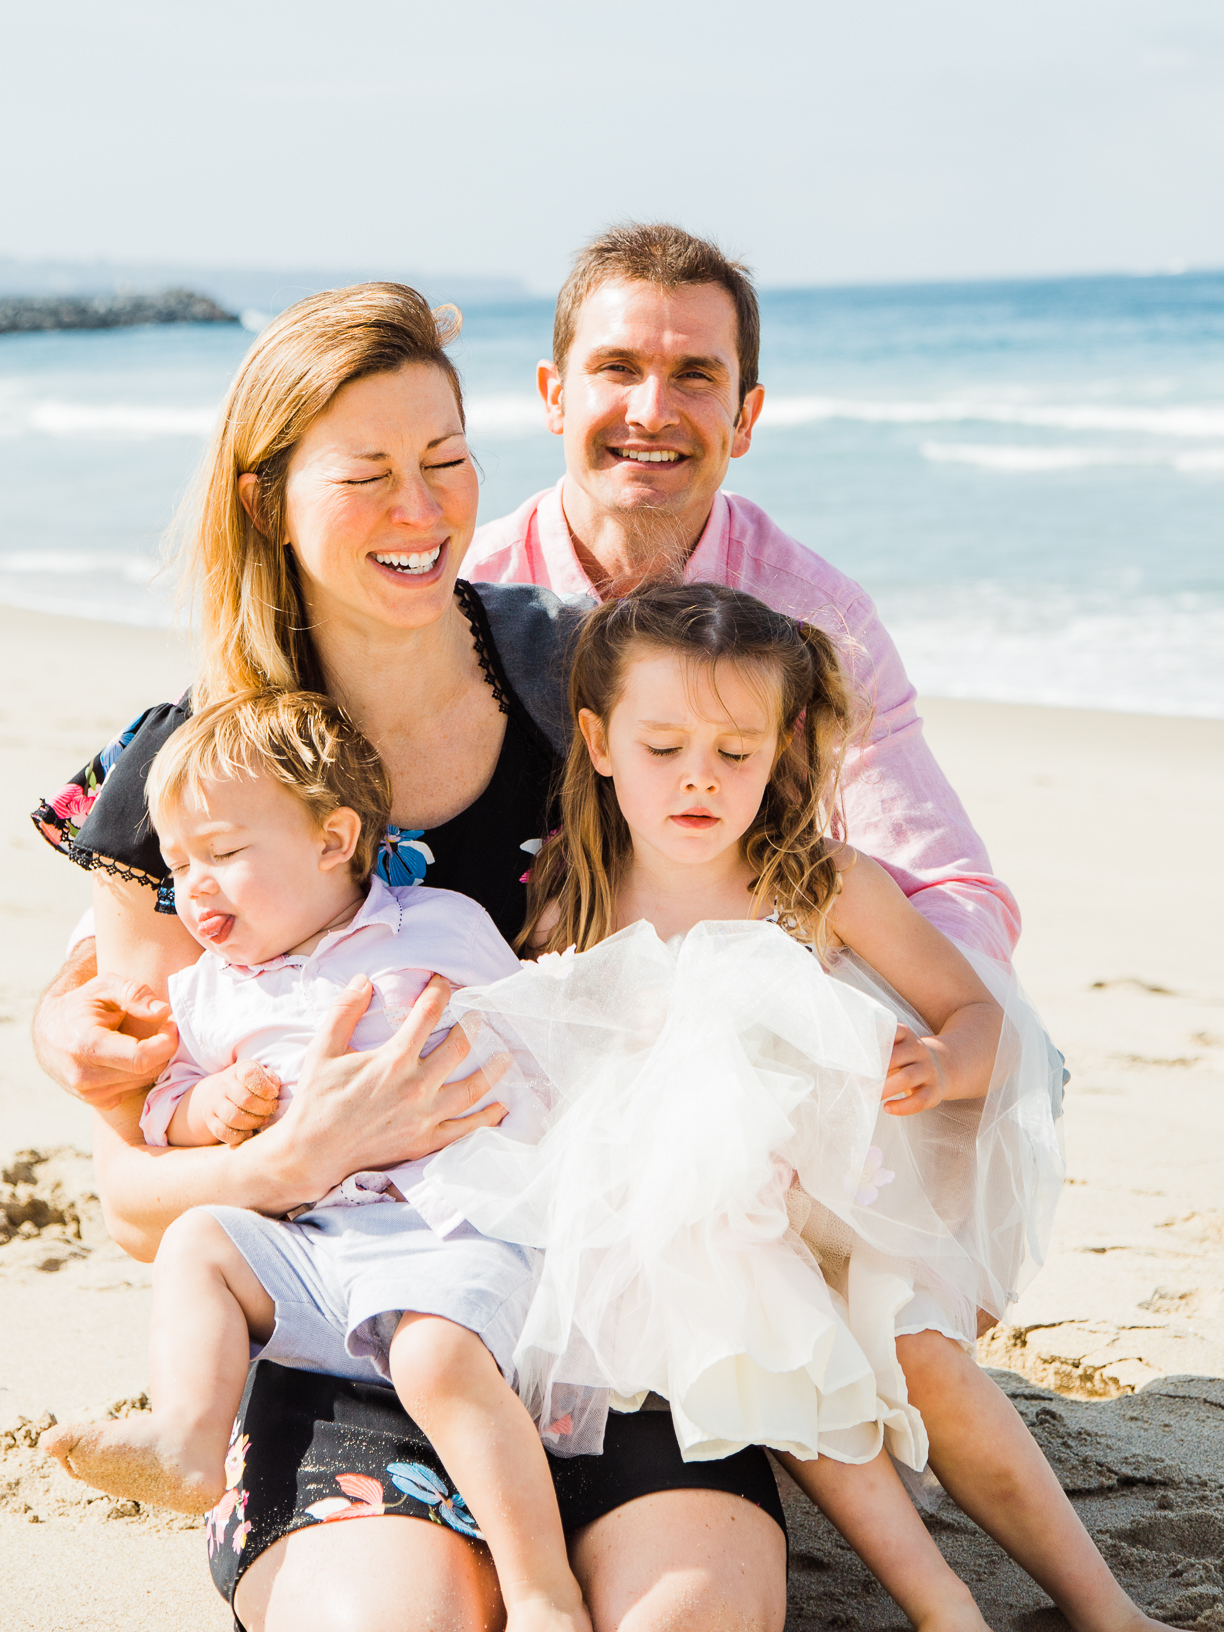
649,402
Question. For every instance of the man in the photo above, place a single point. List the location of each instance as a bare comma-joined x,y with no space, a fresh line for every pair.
653,388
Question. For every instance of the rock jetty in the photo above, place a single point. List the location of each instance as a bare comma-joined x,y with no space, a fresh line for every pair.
20,314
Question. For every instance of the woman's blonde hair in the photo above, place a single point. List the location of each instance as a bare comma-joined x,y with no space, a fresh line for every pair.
301,739
237,571
788,845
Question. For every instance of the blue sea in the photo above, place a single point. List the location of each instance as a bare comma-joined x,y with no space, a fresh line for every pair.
1028,477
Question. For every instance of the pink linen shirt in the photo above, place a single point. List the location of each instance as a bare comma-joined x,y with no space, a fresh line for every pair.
899,806
270,1012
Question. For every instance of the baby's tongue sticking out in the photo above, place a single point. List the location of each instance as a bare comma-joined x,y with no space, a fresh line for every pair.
215,926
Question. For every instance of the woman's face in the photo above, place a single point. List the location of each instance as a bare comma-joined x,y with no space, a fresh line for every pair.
380,501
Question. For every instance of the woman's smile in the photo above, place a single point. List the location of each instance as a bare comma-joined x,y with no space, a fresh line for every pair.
421,565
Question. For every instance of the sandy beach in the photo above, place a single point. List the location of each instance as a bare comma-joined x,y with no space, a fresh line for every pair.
1107,828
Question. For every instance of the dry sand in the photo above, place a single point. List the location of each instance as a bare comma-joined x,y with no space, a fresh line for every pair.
1105,827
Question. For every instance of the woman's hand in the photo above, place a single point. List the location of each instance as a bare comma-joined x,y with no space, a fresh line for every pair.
352,1111
916,1080
102,1036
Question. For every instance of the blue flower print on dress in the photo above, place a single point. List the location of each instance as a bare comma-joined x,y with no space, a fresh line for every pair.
402,858
115,747
422,1483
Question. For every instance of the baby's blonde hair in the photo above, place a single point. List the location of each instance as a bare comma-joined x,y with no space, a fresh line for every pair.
300,738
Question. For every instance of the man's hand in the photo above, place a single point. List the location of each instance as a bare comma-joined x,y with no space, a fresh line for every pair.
101,1036
915,1080
227,1108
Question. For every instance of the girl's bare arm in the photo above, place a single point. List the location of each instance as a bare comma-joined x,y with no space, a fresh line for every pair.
955,1058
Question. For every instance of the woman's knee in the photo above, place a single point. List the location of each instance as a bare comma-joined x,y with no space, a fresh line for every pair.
684,1561
371,1575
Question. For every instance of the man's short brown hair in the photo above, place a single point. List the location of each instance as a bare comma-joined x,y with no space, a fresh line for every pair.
669,258
301,739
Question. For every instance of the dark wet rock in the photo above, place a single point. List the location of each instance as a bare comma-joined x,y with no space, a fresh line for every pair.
20,314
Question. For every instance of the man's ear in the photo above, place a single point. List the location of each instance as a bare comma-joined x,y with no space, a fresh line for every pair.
596,739
748,416
248,493
548,383
341,829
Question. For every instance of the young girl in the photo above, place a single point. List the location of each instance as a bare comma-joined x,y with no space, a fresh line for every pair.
269,809
719,1089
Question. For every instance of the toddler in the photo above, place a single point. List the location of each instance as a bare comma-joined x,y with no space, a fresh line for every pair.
269,809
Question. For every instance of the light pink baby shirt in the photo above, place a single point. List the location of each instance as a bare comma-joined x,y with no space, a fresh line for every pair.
270,1012
900,808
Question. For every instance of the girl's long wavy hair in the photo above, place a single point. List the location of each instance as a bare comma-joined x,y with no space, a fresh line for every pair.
791,844
237,572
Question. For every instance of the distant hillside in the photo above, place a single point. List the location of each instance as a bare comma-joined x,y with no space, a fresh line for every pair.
20,314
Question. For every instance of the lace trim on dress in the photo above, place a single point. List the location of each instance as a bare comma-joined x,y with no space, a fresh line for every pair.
482,635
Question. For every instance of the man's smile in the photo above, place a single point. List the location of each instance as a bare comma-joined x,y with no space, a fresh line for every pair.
649,456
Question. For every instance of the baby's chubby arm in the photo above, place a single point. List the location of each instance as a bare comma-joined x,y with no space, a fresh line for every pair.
227,1107
189,1105
956,1058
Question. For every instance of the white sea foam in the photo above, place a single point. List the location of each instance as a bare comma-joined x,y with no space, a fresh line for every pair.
505,416
127,421
1156,655
1035,457
130,569
1201,420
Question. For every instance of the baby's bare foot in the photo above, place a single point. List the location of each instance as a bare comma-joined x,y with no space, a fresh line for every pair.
139,1458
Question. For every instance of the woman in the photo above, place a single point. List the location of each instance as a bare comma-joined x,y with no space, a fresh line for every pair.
336,504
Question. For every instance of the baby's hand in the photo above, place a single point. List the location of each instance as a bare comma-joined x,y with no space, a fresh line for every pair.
234,1104
915,1080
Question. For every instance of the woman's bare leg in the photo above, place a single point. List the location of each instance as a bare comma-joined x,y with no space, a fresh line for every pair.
207,1304
449,1383
870,1507
683,1561
992,1467
371,1575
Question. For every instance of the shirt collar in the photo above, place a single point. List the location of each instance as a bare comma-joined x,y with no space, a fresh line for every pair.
381,907
565,574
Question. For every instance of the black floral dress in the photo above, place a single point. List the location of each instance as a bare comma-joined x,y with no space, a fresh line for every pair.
308,1448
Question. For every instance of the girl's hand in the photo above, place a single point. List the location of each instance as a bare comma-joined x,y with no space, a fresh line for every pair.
352,1111
228,1107
915,1080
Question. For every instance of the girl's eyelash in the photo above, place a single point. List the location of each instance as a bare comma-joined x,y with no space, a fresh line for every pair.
449,464
661,753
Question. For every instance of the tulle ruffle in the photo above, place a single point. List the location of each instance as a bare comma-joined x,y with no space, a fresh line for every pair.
728,1218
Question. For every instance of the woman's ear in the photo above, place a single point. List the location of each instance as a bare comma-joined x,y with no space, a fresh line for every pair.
248,493
596,739
341,829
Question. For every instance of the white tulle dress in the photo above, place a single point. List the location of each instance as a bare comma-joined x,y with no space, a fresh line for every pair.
729,1220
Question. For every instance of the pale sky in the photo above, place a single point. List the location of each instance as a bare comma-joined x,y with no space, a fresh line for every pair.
824,140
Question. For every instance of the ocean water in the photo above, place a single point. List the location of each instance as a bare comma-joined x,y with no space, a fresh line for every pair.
1028,477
